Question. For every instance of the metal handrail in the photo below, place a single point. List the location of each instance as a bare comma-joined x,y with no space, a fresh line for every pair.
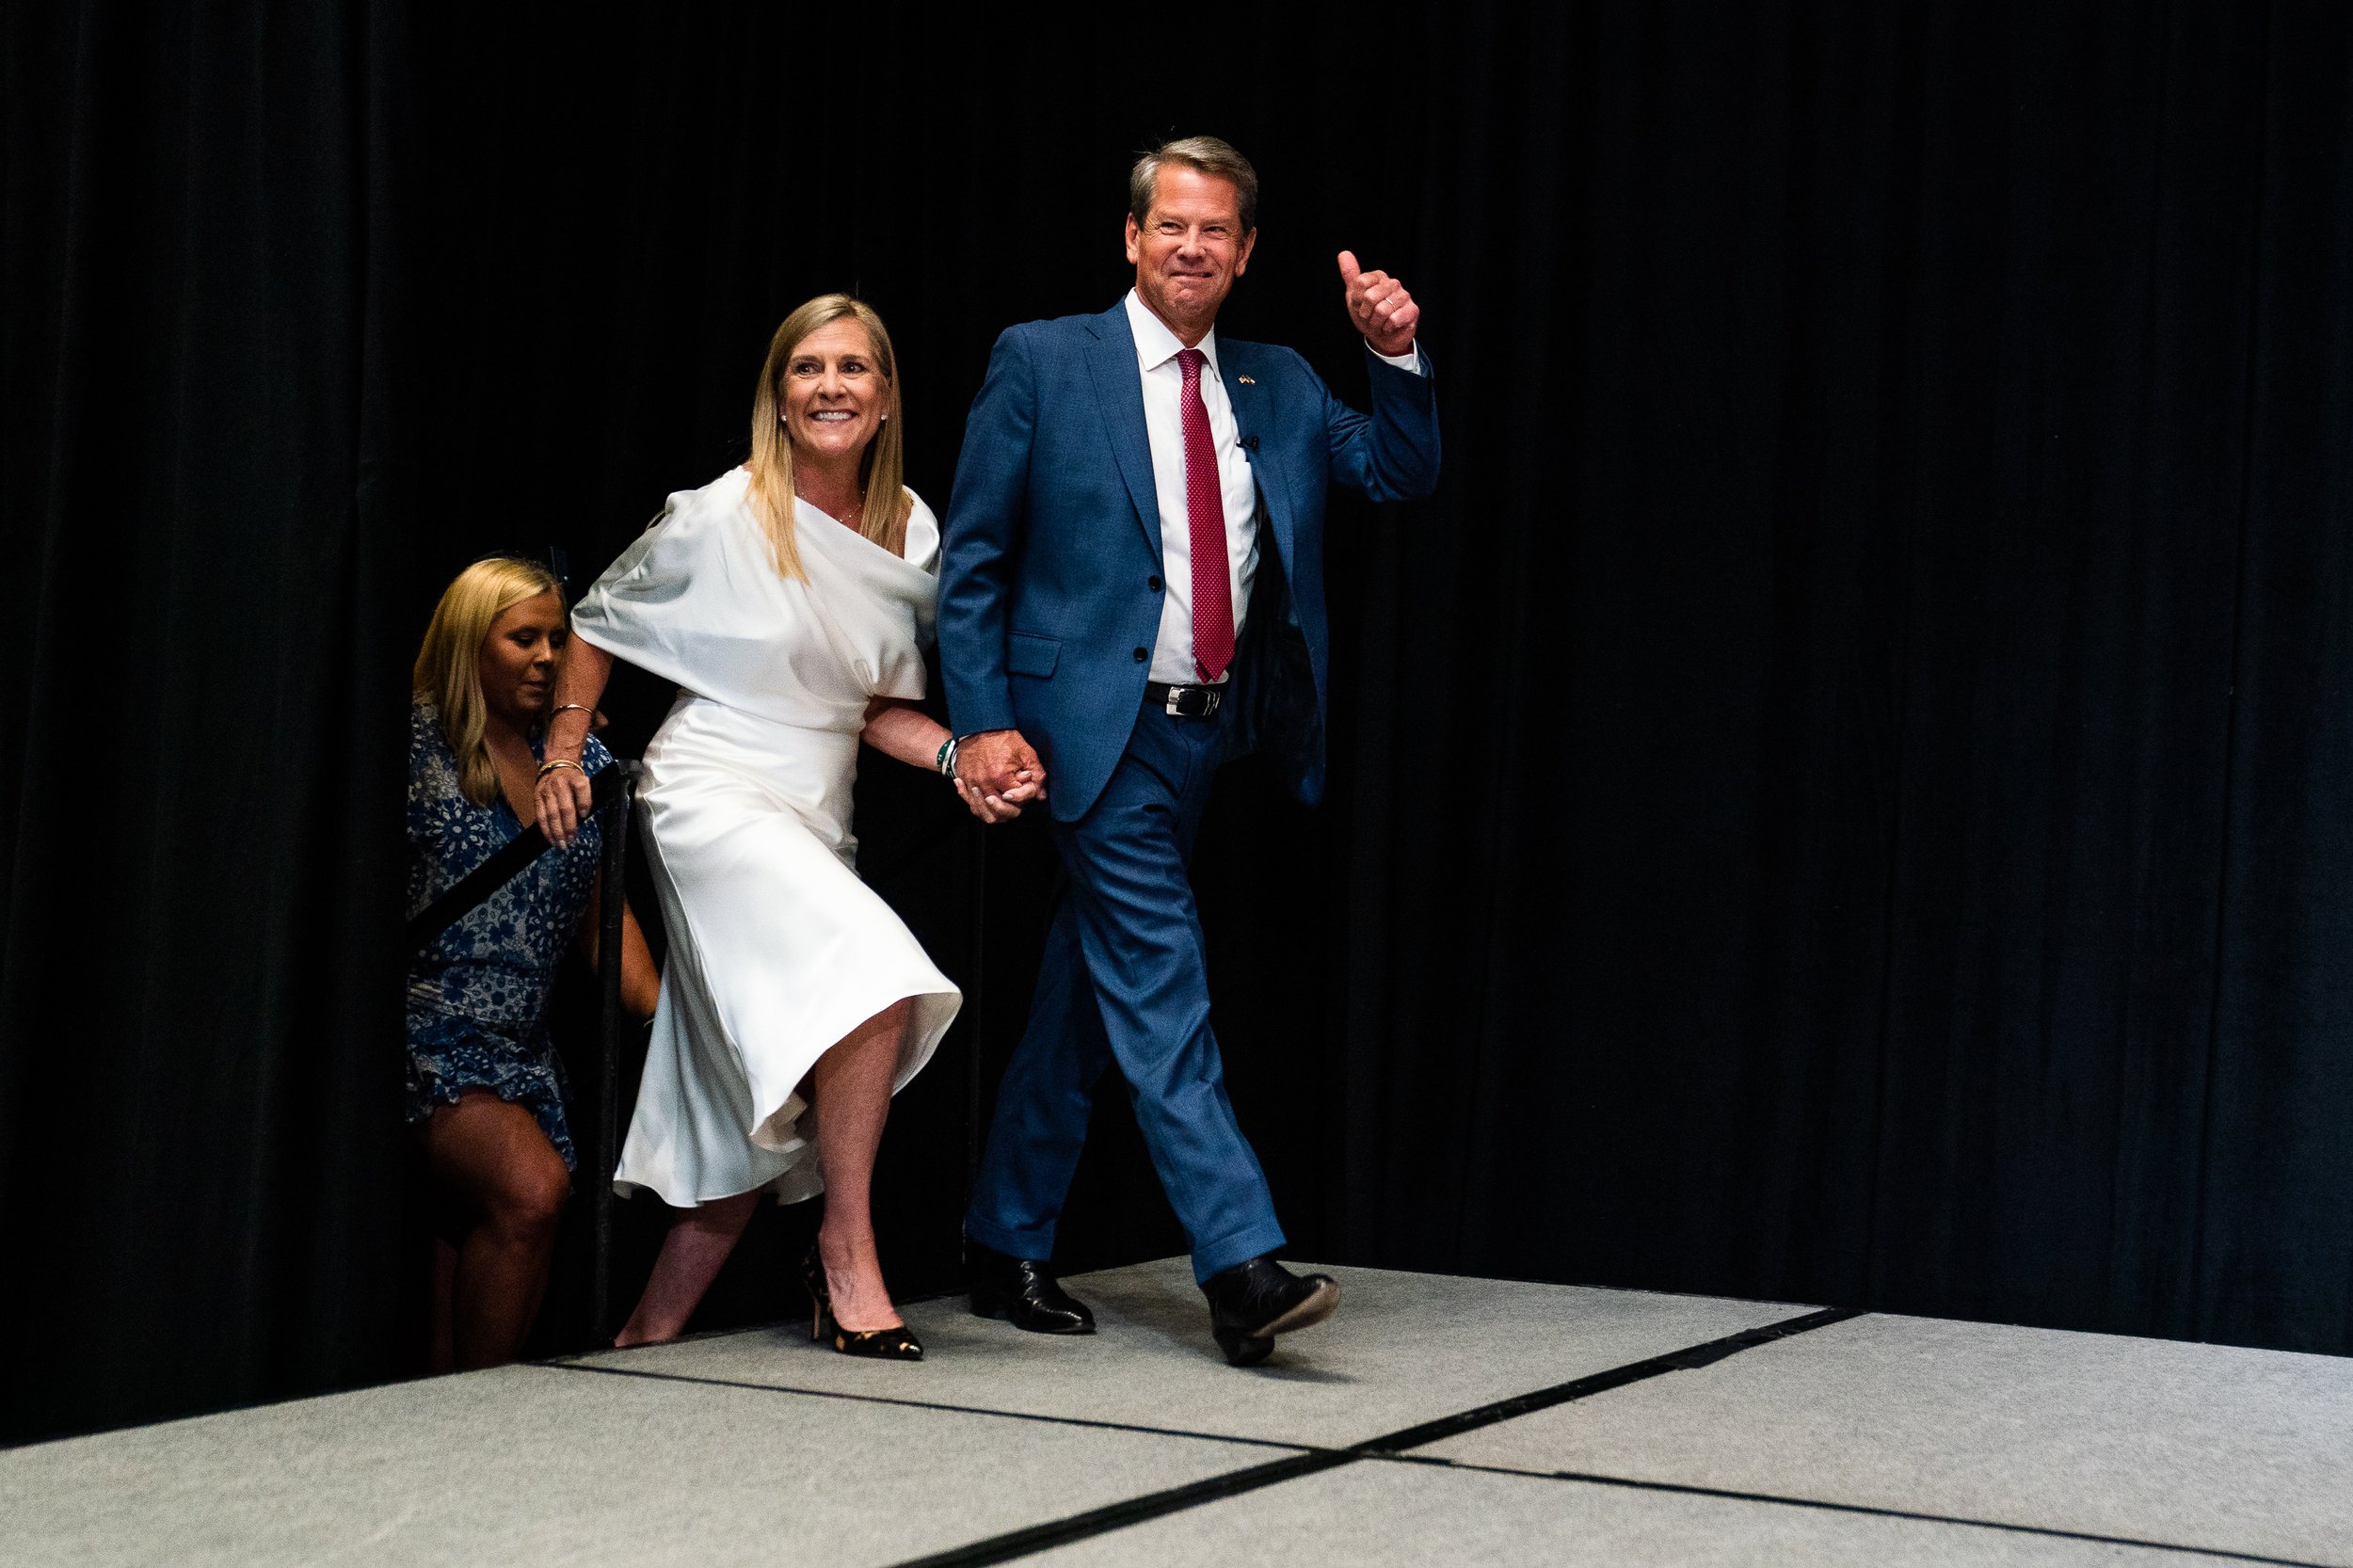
614,901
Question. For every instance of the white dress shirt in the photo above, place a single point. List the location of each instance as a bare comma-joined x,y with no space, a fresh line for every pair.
1163,422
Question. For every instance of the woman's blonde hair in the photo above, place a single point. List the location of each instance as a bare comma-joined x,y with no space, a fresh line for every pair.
449,665
881,470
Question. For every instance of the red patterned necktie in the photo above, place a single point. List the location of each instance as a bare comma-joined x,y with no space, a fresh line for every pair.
1205,516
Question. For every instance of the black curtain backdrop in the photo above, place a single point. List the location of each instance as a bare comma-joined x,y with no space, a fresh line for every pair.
1842,796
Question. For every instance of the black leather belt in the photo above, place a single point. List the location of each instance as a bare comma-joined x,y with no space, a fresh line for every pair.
1183,703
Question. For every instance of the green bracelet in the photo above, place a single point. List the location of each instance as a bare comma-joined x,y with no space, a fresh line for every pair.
946,761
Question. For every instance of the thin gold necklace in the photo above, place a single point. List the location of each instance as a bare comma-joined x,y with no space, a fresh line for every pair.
857,512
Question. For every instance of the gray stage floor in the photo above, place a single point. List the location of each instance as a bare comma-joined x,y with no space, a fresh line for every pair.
1435,1420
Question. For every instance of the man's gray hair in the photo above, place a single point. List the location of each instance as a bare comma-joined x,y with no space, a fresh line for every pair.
1206,153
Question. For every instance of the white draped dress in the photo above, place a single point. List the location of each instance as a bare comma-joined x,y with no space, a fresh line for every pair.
777,949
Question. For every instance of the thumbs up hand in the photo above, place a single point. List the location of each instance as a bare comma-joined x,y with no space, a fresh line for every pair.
1380,307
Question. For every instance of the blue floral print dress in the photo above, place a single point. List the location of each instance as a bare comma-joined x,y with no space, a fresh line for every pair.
479,992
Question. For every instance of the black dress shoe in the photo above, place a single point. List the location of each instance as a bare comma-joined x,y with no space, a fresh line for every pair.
1252,1303
1022,1291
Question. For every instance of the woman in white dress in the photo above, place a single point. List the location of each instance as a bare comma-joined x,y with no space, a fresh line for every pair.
791,601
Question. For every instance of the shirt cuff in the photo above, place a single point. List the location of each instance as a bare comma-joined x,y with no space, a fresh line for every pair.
1410,360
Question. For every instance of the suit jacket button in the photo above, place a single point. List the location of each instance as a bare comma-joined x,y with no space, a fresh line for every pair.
1142,654
1153,584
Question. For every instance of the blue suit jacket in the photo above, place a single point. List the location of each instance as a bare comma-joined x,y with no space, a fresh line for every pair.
1049,600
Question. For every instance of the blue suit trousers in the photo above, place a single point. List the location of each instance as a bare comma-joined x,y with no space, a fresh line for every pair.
1124,980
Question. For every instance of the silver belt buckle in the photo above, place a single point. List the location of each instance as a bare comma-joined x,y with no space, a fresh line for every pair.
1211,698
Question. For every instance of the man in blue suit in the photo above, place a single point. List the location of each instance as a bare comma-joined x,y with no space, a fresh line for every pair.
1132,590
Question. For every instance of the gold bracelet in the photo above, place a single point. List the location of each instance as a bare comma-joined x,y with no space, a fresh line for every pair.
555,762
573,707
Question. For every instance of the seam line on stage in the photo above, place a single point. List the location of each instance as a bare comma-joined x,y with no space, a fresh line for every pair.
1156,1505
1438,1461
928,1404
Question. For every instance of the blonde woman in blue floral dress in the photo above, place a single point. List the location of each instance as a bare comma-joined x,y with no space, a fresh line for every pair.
485,1088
